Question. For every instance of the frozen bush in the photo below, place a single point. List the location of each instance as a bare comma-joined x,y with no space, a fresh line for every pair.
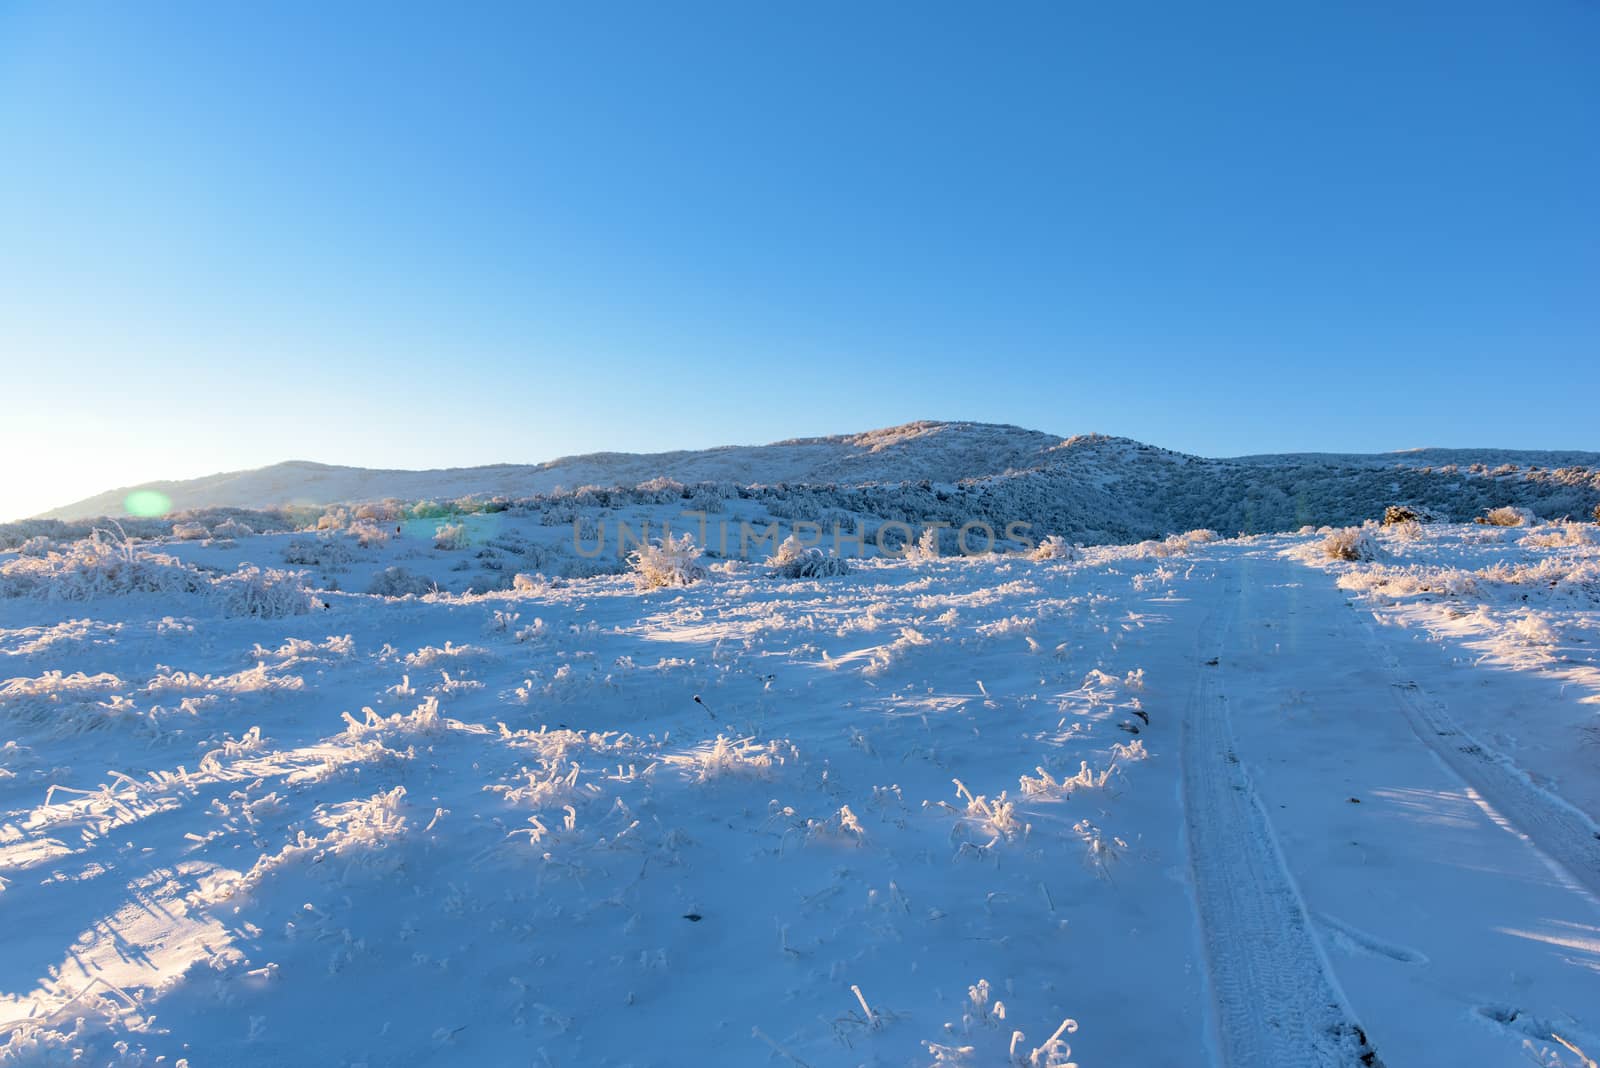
1055,547
709,498
1351,543
102,565
1506,517
398,582
525,583
1596,513
559,513
660,490
1531,629
325,551
1405,529
334,518
450,536
231,528
379,512
671,561
190,531
1408,513
36,546
796,561
368,533
269,594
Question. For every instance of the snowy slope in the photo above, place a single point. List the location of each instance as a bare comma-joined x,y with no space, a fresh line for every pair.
1092,489
1139,481
1211,801
936,452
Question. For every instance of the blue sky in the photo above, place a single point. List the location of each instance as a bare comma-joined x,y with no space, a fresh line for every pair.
408,235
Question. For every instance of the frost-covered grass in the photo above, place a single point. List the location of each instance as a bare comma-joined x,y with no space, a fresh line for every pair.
1523,599
564,770
488,813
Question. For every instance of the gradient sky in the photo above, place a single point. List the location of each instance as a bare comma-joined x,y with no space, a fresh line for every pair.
427,235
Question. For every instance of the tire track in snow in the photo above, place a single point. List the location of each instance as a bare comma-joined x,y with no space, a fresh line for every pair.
1275,1000
1563,833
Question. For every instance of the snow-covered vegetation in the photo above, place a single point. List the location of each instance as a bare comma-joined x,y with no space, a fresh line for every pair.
672,560
796,561
514,798
1089,489
1353,543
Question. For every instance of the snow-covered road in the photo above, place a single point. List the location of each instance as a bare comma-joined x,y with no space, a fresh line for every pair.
1209,802
1416,868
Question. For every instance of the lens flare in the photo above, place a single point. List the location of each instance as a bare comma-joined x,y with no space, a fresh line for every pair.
147,503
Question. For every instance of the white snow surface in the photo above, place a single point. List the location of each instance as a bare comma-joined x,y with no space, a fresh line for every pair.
1177,803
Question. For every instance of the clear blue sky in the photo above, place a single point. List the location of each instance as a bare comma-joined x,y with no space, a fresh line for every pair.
410,235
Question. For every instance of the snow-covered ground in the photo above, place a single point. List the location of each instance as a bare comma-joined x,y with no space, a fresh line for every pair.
1204,801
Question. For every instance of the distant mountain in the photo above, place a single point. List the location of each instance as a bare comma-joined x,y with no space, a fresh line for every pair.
923,451
1092,487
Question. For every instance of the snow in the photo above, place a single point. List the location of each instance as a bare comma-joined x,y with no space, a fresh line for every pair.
1089,488
1187,800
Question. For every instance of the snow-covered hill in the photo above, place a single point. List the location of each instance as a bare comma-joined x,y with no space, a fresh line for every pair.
924,451
1090,488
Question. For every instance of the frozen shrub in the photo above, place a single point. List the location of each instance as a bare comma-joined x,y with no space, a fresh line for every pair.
1351,543
1055,547
1531,629
334,518
559,513
450,536
325,551
661,490
672,561
1596,513
269,594
190,531
398,582
376,512
36,546
1408,513
709,498
1506,517
102,565
525,583
231,528
1405,529
796,561
368,533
